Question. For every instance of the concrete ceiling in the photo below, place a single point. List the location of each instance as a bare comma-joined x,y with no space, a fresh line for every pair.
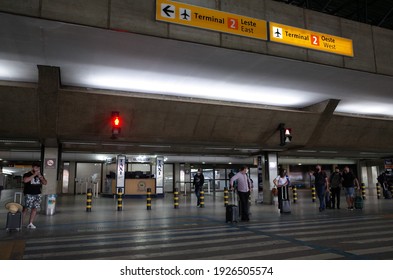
188,98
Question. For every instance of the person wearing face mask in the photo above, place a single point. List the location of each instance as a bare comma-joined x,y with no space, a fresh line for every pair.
321,186
198,182
244,187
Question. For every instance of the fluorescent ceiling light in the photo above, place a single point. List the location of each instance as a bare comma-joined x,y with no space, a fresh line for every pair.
154,146
218,148
194,87
365,108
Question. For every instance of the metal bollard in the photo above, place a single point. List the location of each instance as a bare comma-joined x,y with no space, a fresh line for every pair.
294,191
226,197
119,201
363,187
148,199
202,199
89,196
313,193
176,198
378,191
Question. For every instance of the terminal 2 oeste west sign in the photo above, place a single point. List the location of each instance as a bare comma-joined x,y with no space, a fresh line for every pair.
199,17
285,34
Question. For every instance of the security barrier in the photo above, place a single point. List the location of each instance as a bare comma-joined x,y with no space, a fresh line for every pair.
202,199
363,188
176,198
148,199
226,197
89,196
378,190
119,201
294,192
313,193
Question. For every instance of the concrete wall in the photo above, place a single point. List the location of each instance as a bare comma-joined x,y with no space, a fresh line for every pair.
372,45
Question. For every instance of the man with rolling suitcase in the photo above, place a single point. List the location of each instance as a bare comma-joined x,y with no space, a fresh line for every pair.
243,190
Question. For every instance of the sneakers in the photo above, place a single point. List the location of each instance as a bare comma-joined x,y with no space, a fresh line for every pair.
31,226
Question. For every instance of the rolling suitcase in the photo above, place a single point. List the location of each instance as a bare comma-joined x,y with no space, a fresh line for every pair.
14,221
232,211
285,202
358,201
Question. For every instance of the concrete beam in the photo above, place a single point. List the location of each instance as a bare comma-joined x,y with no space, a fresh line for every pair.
48,87
325,110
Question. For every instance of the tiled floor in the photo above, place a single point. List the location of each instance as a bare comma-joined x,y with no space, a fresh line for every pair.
201,233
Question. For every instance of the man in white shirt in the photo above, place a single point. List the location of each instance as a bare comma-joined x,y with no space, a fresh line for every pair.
243,190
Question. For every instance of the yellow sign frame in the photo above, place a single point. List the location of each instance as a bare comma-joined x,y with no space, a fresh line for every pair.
294,36
204,18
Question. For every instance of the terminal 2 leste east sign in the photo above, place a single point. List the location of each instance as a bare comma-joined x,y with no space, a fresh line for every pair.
184,14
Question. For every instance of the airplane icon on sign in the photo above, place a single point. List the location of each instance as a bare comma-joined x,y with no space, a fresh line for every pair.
185,14
277,32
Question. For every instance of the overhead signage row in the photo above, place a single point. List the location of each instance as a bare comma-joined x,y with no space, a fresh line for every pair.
204,18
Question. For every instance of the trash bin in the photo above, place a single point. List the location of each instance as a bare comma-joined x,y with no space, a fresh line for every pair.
50,204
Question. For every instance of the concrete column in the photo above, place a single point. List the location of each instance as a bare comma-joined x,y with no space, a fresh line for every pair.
271,171
47,91
50,164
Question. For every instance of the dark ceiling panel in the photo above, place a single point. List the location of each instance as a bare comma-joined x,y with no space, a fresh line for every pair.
373,12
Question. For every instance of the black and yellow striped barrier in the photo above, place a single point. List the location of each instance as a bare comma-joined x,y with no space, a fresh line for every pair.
176,198
119,201
148,199
226,197
363,188
294,192
202,199
89,199
378,191
313,193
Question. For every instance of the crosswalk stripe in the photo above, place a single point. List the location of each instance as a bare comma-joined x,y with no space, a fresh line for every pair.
146,247
376,250
265,240
119,240
104,235
207,250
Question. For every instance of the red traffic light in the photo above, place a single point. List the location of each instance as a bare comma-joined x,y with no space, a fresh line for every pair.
116,124
116,121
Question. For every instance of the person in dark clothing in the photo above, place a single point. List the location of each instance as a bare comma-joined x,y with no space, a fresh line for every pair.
349,183
33,181
321,186
335,187
198,182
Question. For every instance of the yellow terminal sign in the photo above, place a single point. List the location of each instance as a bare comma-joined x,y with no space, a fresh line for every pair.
184,14
309,39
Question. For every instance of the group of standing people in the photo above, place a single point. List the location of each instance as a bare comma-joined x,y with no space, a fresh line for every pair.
330,188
